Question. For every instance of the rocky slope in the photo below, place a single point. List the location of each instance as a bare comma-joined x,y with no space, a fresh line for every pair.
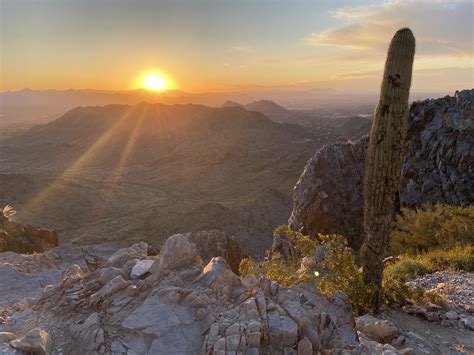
131,173
104,300
438,166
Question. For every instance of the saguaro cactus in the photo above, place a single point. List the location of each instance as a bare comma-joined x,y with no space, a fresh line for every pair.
384,158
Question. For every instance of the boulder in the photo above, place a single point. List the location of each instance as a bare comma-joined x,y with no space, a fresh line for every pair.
328,195
376,329
36,341
283,331
177,252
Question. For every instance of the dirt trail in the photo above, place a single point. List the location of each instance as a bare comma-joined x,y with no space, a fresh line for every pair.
448,340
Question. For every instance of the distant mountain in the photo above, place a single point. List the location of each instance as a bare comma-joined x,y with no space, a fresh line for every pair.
40,106
231,104
141,172
269,108
272,110
355,127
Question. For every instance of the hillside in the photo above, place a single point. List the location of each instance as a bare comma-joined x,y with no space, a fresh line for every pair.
128,173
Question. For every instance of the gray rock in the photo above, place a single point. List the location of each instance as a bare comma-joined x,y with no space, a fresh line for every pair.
114,285
283,331
36,341
120,257
381,331
141,268
451,315
182,307
468,322
177,252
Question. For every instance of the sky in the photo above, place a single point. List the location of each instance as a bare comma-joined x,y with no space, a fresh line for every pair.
222,45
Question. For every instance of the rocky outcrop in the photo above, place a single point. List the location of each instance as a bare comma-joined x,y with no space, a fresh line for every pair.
180,305
103,299
439,152
438,167
24,239
328,196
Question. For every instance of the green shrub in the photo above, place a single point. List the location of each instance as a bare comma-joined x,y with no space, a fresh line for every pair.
336,272
432,227
410,266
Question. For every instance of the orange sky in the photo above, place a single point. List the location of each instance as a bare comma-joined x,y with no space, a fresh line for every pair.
212,45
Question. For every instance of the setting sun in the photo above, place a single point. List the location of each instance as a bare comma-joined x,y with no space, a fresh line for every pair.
154,82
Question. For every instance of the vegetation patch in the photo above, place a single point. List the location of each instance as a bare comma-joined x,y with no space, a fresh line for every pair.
432,227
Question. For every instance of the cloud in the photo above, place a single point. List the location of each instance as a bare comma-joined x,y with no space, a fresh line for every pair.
242,48
440,27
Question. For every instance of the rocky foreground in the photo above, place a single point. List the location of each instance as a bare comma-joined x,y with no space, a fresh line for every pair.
185,300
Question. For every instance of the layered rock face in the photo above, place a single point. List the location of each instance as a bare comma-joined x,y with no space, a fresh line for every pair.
438,166
439,152
25,239
102,299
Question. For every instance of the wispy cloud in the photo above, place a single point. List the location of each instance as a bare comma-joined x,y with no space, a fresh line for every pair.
440,27
242,48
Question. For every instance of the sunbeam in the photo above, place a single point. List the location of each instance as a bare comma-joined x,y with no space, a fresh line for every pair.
58,183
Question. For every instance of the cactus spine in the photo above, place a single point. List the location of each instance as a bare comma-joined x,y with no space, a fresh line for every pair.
384,158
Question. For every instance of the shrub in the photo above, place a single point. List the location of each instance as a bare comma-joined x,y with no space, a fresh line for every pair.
336,272
410,266
407,268
432,227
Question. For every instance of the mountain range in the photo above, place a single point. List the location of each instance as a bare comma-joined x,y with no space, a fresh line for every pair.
142,172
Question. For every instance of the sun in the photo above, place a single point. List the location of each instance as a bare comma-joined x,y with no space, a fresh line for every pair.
154,82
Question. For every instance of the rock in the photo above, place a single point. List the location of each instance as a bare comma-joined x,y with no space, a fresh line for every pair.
182,307
376,329
452,315
107,274
177,252
419,344
6,337
114,285
141,268
328,195
217,243
283,331
468,322
136,251
72,275
36,341
305,347
437,167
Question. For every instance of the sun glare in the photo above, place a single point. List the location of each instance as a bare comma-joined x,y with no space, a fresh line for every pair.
154,82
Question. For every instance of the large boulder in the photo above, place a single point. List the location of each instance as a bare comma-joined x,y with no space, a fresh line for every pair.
328,196
438,166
